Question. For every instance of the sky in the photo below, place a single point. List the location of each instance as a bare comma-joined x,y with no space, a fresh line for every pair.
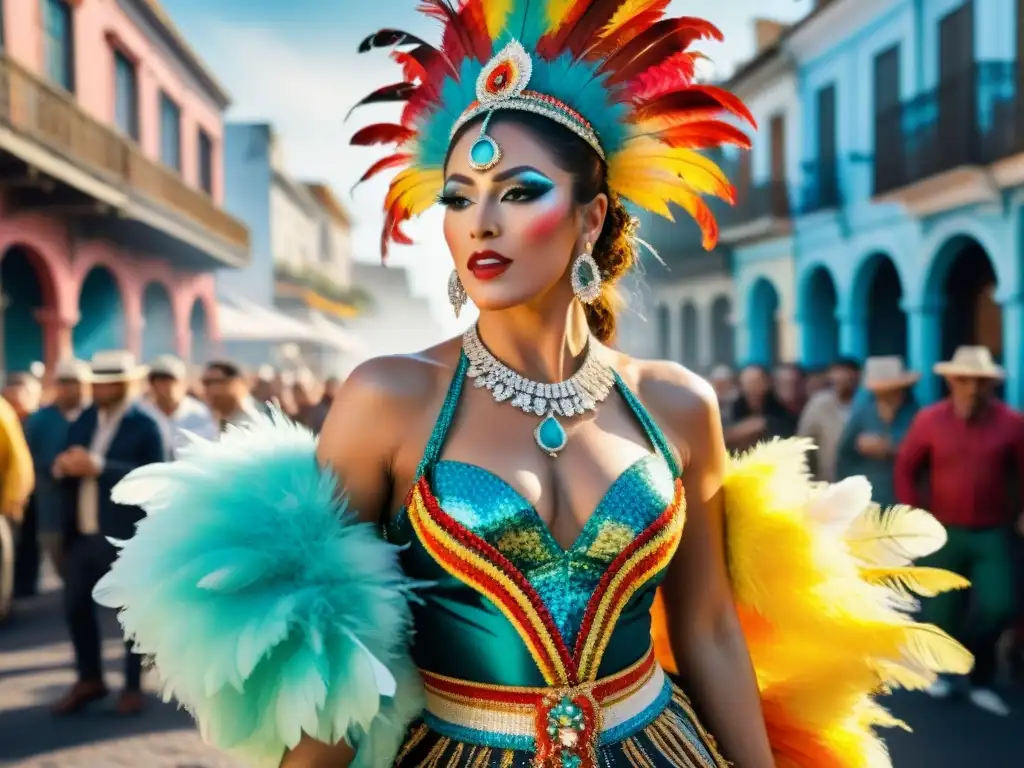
294,64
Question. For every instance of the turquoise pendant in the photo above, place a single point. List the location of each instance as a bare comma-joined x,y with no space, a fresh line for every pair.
484,154
550,436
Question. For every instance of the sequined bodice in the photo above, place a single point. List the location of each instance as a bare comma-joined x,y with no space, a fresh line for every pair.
466,629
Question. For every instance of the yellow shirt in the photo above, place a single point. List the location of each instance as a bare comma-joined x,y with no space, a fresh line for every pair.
17,476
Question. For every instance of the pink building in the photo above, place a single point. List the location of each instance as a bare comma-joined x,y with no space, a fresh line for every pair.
111,184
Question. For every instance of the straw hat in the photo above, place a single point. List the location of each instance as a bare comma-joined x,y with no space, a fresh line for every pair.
971,362
886,372
169,366
115,366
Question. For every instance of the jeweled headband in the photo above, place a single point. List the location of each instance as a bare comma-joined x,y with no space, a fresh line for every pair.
616,73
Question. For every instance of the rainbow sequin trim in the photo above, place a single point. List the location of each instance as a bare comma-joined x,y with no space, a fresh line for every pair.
562,727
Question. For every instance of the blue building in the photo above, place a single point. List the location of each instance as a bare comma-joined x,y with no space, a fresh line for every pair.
907,233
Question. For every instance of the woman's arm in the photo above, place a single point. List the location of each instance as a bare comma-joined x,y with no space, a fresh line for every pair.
357,441
704,629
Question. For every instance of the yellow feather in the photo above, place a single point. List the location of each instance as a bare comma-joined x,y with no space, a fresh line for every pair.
557,12
894,536
412,180
927,582
628,10
822,608
696,170
496,13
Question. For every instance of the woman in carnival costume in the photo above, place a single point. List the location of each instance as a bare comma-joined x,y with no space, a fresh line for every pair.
470,565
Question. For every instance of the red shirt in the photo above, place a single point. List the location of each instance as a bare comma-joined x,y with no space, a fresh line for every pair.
972,465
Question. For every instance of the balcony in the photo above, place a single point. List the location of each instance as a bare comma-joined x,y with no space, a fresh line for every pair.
933,153
821,190
760,212
318,291
95,173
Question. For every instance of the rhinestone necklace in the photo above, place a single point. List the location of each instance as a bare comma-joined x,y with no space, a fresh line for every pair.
578,394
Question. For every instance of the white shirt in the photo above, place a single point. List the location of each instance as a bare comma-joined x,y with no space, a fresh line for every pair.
191,415
107,424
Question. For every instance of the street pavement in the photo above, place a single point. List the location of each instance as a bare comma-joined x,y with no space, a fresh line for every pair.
35,668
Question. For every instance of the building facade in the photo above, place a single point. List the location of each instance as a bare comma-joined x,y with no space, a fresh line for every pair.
909,241
759,228
111,225
290,304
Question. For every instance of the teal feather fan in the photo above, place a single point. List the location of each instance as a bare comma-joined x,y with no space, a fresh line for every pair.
268,609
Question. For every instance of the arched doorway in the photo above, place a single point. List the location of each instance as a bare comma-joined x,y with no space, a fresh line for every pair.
100,315
723,335
690,327
662,319
199,327
964,280
878,295
763,321
820,325
157,322
27,287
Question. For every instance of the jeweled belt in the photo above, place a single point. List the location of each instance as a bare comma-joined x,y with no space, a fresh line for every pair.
549,721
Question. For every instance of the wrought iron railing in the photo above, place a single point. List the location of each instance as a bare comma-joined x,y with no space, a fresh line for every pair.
767,200
968,119
37,110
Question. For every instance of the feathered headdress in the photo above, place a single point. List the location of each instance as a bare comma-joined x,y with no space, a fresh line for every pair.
617,73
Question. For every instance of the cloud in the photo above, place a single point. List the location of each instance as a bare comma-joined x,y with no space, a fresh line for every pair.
305,91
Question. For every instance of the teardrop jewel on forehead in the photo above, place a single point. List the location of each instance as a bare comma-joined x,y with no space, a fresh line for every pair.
578,394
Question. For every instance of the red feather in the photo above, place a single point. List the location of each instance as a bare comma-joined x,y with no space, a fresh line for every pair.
381,133
579,28
654,45
673,74
609,44
703,134
382,165
394,92
694,98
474,20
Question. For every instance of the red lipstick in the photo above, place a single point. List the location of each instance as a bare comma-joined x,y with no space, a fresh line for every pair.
487,265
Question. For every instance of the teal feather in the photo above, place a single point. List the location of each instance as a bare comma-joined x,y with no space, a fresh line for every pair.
436,126
577,84
526,22
268,609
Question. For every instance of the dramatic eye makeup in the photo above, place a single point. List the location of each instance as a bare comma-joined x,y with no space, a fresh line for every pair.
525,184
528,186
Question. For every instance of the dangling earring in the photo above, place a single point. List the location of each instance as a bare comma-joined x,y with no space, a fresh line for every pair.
586,277
456,292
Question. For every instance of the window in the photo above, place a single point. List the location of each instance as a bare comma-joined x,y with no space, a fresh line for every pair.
126,96
205,162
170,133
58,36
827,176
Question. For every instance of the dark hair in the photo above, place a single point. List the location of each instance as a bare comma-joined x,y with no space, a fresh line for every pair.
226,368
849,363
613,250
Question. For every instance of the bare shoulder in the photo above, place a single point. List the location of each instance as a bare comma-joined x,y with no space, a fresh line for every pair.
675,394
382,393
683,403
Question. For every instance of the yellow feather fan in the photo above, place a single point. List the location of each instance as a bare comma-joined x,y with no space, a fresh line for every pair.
825,588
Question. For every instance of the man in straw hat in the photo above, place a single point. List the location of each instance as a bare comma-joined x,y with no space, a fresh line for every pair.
877,424
111,438
972,448
47,432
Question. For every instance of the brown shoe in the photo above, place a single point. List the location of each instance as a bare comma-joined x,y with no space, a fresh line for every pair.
131,703
82,694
